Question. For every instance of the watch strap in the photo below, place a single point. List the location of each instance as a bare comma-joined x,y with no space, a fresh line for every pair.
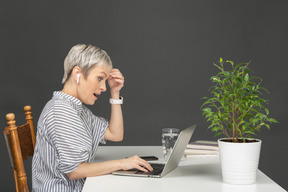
116,101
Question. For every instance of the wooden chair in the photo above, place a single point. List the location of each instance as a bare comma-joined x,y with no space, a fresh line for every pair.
20,142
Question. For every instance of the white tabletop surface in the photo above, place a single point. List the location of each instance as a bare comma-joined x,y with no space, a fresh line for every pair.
199,174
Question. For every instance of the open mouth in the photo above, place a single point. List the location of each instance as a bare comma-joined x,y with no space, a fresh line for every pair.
95,96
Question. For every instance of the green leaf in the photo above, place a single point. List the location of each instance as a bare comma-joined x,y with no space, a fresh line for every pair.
267,111
272,120
217,134
215,79
207,109
216,94
246,78
218,66
262,88
239,65
231,62
250,132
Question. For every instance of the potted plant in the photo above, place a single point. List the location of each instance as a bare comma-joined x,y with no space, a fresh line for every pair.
236,110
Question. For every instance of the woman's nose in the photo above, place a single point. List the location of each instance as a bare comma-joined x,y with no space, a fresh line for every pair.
103,87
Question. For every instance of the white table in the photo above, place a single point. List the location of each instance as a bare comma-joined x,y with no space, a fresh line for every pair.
199,174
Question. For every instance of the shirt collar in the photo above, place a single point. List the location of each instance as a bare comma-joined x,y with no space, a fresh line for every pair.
68,97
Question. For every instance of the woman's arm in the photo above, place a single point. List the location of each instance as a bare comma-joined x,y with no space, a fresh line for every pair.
94,169
115,131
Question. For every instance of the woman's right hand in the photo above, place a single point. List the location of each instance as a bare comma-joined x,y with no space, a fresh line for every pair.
136,162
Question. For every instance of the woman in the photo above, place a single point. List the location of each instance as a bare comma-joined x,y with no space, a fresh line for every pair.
68,133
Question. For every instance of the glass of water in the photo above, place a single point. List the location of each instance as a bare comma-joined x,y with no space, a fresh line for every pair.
169,137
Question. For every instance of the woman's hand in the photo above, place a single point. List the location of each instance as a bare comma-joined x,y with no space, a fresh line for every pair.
94,169
136,162
115,81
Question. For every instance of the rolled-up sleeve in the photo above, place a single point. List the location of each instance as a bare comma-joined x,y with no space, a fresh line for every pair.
100,126
71,141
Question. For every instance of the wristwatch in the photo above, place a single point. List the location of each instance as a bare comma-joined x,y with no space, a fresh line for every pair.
116,101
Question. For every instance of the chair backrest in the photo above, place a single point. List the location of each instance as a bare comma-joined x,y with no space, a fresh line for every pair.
20,142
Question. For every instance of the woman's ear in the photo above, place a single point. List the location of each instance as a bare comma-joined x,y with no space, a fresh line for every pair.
76,74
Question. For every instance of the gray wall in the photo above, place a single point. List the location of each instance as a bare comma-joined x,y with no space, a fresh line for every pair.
165,50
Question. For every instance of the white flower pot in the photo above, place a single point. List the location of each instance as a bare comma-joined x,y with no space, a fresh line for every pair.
239,161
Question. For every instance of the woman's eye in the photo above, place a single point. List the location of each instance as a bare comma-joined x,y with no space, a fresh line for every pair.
100,78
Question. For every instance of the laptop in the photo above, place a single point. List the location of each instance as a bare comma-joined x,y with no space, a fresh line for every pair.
161,169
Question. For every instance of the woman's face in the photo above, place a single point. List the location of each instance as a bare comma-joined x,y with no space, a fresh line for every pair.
90,88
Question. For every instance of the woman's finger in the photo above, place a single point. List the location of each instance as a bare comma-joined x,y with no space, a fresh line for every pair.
147,166
117,75
119,81
115,71
142,168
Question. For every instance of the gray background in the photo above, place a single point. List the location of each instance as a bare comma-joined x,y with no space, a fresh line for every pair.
165,49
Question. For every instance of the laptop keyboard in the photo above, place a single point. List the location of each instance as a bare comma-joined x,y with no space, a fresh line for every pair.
157,169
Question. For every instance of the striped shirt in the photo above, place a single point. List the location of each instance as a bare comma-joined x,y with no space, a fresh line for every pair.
67,134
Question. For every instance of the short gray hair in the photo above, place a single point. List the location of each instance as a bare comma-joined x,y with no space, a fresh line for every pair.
85,57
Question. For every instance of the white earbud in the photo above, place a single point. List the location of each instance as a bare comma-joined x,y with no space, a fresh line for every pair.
78,76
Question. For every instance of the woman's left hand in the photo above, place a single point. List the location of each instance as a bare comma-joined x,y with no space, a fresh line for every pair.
115,81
